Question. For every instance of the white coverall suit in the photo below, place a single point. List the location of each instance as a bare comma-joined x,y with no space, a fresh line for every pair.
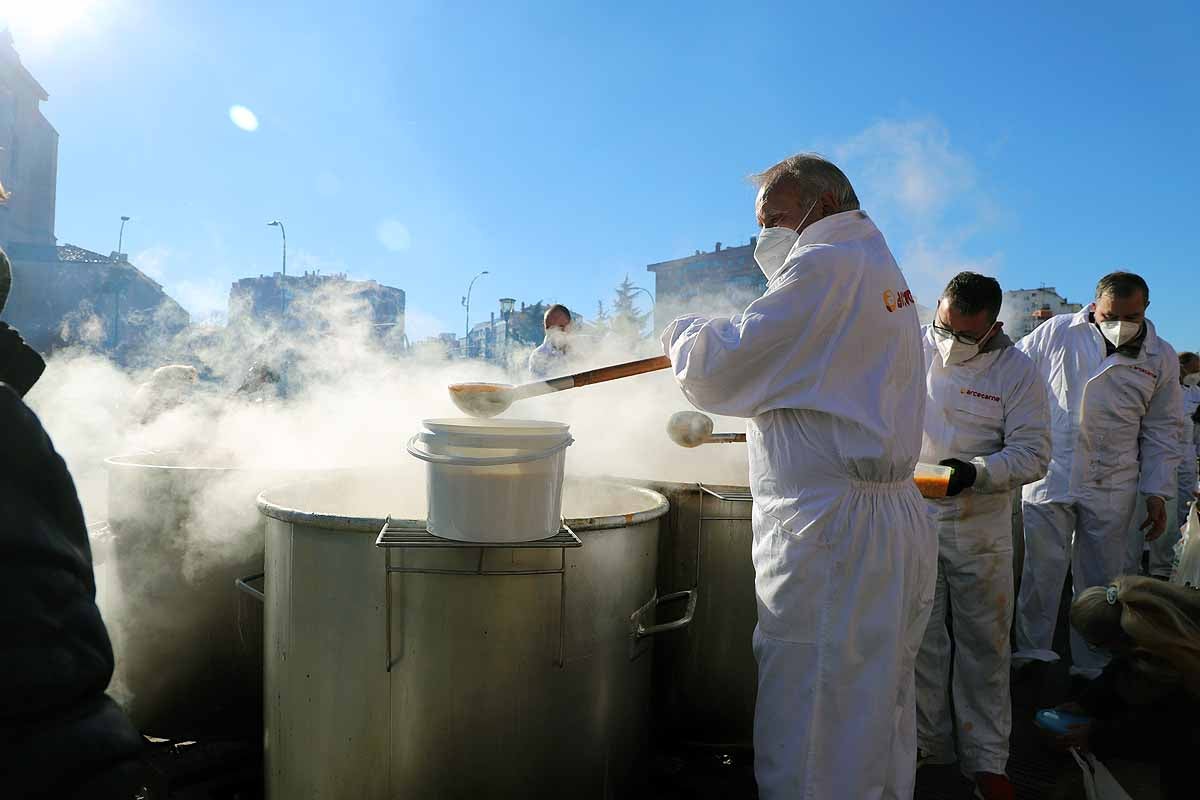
827,367
991,411
1162,549
1109,415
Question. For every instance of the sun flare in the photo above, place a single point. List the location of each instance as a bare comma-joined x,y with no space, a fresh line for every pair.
46,19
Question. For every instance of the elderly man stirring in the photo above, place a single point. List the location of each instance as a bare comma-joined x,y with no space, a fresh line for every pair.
986,415
827,367
1116,424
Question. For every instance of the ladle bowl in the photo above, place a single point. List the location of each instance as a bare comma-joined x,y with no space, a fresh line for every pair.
689,428
482,399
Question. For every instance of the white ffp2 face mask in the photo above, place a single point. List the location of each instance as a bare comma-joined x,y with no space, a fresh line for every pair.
1118,332
773,245
1192,379
772,248
956,352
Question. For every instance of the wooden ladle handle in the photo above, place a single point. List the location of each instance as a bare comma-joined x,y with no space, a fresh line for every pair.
620,371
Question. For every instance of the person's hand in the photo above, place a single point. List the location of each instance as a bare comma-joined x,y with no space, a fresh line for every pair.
1156,518
963,477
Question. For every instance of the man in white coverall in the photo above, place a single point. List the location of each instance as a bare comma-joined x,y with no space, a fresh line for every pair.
986,415
1162,549
826,366
1115,417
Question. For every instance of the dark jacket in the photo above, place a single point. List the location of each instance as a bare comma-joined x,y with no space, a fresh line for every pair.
57,725
20,364
1139,718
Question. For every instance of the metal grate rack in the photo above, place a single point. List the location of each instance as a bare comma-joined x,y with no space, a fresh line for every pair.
396,538
391,537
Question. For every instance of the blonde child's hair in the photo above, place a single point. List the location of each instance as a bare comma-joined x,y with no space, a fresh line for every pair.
1158,623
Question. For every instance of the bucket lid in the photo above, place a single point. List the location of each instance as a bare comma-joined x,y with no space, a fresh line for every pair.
495,427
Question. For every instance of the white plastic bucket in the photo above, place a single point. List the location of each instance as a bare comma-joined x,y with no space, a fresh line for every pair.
493,480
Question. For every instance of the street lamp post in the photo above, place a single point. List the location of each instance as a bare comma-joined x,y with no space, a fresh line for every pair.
466,301
652,303
283,280
506,309
121,236
115,284
647,293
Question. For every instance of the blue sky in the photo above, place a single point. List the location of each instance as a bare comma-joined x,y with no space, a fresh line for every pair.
563,145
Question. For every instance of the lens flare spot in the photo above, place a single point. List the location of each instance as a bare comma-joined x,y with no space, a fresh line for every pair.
393,235
243,117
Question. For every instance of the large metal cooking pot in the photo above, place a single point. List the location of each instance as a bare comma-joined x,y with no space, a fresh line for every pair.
188,646
504,671
706,679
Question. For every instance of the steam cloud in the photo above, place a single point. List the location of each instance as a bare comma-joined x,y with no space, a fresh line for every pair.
353,400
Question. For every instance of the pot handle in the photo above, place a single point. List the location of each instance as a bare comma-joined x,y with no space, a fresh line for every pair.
467,461
642,630
244,585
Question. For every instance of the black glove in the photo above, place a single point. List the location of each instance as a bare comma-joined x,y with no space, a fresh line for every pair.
963,476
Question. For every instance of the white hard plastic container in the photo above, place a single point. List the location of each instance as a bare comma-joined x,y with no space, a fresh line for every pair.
493,480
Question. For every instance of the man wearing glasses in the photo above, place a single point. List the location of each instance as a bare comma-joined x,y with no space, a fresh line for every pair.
987,417
1116,425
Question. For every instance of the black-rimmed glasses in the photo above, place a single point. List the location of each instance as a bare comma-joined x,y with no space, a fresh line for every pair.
964,338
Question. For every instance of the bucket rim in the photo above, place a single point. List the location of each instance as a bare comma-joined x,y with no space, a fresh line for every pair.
495,426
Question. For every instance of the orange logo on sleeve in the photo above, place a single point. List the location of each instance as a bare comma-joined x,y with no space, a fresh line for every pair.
893,300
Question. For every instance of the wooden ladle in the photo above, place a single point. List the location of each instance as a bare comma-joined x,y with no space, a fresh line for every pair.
490,399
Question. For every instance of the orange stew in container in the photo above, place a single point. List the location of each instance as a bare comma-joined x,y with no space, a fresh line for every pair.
932,480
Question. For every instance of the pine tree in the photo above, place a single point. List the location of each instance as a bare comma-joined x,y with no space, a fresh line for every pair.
602,318
626,319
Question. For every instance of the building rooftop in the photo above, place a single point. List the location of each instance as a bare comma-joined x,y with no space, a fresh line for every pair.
81,255
737,253
74,254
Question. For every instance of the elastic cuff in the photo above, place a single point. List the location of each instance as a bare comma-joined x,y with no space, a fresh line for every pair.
980,761
1022,657
983,481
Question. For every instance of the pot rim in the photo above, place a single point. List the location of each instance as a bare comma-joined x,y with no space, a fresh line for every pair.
365,524
146,461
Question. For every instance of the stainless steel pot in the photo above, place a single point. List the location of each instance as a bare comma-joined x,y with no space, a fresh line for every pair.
706,679
188,647
495,672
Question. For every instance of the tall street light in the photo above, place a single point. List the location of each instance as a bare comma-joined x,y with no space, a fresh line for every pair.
652,303
121,236
466,301
282,281
506,310
647,293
